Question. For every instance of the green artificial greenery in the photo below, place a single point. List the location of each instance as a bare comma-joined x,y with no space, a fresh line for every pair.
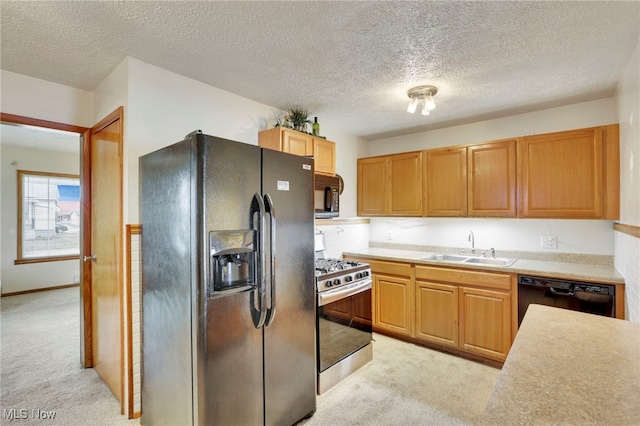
298,116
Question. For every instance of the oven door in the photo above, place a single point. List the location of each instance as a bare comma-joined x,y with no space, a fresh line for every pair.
344,322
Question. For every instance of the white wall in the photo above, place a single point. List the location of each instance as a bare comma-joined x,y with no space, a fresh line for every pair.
162,107
576,116
573,236
31,97
627,247
36,275
628,97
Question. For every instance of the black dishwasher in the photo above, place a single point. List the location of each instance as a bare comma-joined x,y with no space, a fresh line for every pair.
580,296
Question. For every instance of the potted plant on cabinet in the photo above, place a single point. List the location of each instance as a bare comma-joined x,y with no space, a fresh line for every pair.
299,118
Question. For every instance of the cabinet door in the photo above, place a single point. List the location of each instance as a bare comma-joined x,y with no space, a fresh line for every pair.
405,184
324,154
372,186
485,322
393,304
297,143
446,182
437,313
562,174
491,170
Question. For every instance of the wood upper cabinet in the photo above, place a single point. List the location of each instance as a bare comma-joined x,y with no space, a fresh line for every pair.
475,180
372,186
405,184
491,179
572,174
324,154
298,143
390,185
446,182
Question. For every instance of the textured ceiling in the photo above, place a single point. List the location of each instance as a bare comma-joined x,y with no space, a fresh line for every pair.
350,63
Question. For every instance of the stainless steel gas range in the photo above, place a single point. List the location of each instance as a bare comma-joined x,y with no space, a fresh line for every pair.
344,319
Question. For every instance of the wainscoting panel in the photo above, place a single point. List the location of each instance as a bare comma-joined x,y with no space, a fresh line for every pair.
134,320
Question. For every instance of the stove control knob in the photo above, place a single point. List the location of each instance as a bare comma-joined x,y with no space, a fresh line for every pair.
336,282
365,274
358,275
328,283
348,278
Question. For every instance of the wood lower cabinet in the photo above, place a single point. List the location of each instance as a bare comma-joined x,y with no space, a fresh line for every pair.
392,297
464,309
485,322
393,304
437,313
469,311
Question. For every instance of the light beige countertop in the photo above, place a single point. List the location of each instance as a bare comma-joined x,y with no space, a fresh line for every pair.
603,273
567,367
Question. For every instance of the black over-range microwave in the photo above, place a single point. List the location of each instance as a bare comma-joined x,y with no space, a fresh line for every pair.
327,196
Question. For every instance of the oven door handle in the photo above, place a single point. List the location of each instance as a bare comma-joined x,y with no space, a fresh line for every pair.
343,292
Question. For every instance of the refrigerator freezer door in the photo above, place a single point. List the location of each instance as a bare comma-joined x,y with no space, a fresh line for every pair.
290,352
166,208
230,377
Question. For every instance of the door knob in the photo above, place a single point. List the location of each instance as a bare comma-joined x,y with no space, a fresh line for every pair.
92,258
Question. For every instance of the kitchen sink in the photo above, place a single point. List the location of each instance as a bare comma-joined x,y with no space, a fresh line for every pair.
467,259
445,257
490,261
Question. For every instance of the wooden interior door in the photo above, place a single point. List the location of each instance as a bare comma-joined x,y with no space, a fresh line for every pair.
105,261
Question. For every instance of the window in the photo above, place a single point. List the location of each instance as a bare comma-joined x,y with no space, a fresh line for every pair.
48,217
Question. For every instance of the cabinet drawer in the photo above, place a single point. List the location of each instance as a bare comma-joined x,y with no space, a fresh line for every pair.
465,277
378,267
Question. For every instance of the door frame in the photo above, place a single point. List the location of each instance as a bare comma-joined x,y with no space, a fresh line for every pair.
86,354
85,173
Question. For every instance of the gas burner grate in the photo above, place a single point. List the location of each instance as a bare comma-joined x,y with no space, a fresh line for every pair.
327,266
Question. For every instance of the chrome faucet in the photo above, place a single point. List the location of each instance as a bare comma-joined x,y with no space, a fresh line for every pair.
473,242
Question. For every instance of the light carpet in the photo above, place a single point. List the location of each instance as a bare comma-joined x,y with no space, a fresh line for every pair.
405,384
40,366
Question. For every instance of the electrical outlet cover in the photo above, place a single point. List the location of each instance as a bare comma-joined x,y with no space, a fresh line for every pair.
548,242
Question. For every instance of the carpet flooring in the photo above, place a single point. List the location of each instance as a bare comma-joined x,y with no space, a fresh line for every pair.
40,371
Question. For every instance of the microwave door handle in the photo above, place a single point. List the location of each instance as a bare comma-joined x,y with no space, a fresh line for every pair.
259,312
270,210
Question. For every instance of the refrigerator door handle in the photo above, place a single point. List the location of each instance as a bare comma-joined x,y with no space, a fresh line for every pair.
270,210
259,312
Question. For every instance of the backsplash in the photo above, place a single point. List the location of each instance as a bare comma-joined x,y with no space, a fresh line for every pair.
571,236
344,235
628,264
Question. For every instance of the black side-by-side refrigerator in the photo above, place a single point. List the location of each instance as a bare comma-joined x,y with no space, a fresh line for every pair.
228,294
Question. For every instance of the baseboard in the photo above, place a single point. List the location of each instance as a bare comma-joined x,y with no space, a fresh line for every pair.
36,290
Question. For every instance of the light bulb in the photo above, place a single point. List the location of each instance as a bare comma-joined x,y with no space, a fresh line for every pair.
429,102
412,105
425,108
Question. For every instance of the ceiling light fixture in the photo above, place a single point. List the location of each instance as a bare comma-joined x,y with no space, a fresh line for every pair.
424,95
